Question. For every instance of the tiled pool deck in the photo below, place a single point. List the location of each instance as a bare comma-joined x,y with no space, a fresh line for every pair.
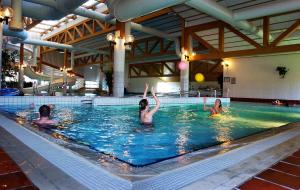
283,175
11,176
50,166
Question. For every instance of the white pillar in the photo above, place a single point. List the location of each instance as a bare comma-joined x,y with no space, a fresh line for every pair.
184,74
1,42
119,67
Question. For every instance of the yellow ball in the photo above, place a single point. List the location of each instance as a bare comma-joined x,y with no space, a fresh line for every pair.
199,77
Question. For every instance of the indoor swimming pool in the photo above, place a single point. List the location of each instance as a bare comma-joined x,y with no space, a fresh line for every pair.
177,129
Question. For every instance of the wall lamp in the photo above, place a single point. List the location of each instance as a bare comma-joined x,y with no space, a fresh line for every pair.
187,56
64,69
6,13
129,39
225,64
111,38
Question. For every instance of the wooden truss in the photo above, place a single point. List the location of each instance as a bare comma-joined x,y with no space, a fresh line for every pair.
84,30
169,68
94,59
155,69
267,47
151,47
90,28
141,49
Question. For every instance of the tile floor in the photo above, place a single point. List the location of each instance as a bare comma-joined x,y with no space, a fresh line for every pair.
284,175
11,176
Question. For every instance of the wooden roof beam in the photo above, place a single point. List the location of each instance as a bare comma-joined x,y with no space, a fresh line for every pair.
257,51
286,33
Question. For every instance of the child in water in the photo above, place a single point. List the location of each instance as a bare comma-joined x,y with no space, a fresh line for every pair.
145,113
216,109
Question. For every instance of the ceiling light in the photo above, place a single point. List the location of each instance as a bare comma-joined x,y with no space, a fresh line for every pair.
129,38
110,37
5,14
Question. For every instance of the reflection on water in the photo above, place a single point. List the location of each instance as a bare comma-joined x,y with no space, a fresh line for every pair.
115,130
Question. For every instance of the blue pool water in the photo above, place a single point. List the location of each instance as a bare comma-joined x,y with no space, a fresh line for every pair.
178,129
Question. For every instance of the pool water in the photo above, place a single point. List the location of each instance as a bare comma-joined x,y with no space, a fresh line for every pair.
178,129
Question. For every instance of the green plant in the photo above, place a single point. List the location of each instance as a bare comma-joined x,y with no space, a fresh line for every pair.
109,81
9,68
282,71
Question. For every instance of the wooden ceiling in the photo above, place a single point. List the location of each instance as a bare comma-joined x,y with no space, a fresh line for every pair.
212,39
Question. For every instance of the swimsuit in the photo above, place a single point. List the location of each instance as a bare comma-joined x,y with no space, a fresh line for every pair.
147,124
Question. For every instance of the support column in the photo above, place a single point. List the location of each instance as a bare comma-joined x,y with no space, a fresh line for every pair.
1,41
184,78
21,69
119,61
16,22
184,74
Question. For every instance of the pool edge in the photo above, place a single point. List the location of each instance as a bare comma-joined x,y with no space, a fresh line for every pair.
166,180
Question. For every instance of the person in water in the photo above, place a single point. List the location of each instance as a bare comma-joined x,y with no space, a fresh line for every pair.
277,102
44,119
145,113
216,109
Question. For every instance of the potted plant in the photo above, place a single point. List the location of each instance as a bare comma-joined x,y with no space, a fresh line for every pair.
282,71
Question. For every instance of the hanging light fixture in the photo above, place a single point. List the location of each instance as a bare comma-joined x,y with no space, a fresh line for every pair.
110,37
6,13
129,39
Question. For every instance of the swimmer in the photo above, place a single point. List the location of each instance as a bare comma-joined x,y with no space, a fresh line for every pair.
216,109
277,102
145,113
44,116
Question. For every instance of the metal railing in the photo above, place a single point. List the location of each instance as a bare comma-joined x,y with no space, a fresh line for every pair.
194,93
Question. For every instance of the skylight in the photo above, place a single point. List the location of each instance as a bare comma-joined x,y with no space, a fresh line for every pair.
48,25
